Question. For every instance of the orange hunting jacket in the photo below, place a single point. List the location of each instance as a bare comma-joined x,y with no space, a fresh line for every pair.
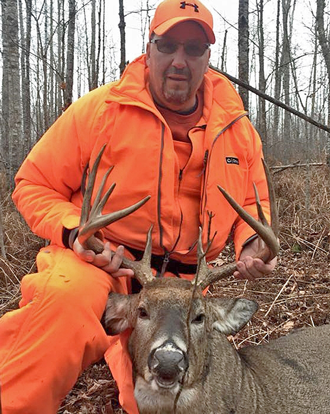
122,115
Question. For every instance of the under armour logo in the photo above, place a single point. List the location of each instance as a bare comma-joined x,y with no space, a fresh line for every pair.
194,5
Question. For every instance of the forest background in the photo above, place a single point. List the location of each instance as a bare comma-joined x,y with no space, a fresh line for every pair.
54,51
277,54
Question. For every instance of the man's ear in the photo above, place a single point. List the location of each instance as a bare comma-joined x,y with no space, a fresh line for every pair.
208,60
148,54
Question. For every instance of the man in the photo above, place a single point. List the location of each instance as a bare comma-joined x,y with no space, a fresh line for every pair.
173,129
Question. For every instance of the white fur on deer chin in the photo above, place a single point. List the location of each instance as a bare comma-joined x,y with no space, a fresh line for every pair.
149,398
149,385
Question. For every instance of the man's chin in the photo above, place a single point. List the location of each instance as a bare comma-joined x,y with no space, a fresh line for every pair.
176,98
177,101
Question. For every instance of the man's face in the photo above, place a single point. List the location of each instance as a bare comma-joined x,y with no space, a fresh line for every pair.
175,77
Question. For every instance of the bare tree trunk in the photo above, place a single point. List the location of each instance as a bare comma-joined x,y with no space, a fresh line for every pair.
99,42
223,52
60,61
261,117
11,125
44,57
70,54
277,81
52,75
87,54
243,49
324,43
61,53
121,26
38,112
103,44
25,73
93,82
285,64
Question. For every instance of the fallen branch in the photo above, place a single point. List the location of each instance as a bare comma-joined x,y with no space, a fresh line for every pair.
280,168
272,100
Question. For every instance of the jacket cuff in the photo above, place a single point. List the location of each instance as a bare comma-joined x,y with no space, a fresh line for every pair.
250,239
69,236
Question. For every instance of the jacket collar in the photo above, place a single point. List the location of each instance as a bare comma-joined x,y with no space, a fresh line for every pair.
222,104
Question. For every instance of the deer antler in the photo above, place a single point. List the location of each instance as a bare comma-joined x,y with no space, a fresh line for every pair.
92,221
205,276
142,268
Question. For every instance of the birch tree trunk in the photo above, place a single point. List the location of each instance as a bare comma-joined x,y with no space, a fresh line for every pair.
11,125
25,73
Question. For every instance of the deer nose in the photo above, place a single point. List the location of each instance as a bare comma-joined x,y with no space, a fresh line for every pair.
168,363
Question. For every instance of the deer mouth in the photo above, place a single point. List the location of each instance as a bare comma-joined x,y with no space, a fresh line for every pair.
165,382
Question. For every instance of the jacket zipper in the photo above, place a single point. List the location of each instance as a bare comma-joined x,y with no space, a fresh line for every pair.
205,159
206,163
180,176
166,252
159,187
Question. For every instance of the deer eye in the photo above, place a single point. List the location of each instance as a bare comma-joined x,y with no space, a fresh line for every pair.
142,313
199,319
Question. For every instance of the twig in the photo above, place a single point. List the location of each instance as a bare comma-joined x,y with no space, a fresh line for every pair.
277,296
280,168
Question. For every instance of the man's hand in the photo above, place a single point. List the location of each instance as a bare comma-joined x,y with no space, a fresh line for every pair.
249,268
105,260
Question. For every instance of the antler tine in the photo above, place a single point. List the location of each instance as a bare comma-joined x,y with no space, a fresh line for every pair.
142,268
98,221
202,268
272,200
86,205
92,220
264,231
205,275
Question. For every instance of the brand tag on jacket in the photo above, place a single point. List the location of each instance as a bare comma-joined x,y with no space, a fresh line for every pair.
232,160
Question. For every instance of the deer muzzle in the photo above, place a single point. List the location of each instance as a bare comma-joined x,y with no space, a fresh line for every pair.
167,364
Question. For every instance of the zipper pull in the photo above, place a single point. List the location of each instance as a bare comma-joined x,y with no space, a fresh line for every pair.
206,155
180,175
165,263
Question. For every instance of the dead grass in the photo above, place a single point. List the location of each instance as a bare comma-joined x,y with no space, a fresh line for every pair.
297,293
22,247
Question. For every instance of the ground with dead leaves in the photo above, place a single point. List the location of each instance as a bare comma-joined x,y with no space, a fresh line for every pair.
297,294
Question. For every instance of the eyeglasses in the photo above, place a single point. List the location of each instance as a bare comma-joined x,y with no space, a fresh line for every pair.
191,47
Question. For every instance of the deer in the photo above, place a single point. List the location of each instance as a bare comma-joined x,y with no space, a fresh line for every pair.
182,359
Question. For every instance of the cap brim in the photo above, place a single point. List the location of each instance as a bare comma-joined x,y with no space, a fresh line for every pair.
164,27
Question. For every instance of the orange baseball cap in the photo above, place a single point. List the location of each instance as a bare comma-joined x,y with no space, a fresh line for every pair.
171,12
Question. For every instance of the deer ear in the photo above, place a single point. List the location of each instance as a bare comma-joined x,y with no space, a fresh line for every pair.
230,315
117,311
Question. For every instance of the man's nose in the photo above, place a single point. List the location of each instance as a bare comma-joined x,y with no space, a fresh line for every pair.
179,58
